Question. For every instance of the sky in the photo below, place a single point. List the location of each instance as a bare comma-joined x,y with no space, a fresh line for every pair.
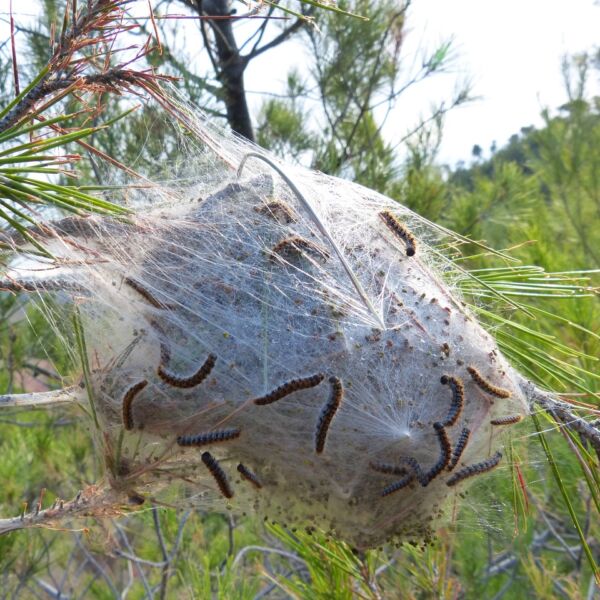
511,51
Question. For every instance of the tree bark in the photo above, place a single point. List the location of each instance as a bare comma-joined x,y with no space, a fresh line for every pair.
230,66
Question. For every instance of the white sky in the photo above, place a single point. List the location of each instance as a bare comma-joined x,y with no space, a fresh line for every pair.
510,49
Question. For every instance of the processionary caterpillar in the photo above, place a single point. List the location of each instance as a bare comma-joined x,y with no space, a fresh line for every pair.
461,444
248,475
296,244
144,292
279,211
445,456
401,231
128,398
387,469
217,472
196,378
482,467
416,469
287,388
328,412
398,485
458,398
509,420
486,386
209,437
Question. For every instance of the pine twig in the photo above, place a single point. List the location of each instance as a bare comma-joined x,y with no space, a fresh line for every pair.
561,411
92,501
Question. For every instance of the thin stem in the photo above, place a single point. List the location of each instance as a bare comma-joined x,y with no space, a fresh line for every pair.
66,395
320,226
90,500
561,411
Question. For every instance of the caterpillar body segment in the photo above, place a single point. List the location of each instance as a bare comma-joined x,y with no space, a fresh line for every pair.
181,381
209,437
401,231
289,387
127,404
328,412
212,464
458,399
459,448
249,475
471,470
487,386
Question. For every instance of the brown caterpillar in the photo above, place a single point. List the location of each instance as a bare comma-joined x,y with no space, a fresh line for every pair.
461,444
217,472
458,399
486,386
248,475
144,292
209,437
295,245
387,469
509,420
328,412
128,398
445,456
482,467
398,485
287,388
281,212
187,382
401,231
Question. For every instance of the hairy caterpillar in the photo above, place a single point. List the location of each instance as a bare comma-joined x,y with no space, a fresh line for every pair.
289,387
328,412
398,485
209,437
248,475
459,448
279,211
482,467
414,465
508,420
458,399
212,464
128,398
296,244
446,454
401,231
193,380
387,468
145,292
486,386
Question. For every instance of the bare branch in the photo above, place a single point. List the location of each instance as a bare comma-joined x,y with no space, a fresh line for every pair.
561,412
68,395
